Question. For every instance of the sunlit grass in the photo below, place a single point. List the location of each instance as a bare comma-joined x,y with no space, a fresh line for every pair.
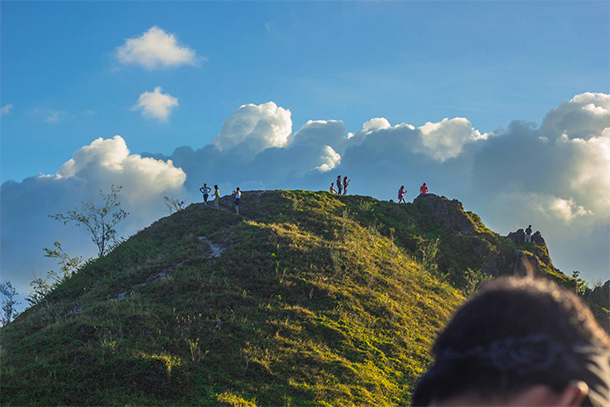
318,300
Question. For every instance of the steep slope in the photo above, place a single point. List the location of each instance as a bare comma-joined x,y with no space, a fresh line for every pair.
308,298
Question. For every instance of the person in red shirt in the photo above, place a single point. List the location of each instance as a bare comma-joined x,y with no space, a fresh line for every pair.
423,189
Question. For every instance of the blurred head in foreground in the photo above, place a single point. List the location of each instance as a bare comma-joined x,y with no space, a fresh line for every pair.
519,342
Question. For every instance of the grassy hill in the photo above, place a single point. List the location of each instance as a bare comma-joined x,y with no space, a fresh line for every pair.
309,298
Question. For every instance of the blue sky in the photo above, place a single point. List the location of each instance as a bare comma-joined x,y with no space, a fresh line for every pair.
379,79
491,62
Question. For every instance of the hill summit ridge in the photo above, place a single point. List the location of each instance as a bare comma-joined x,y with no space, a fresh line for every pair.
308,298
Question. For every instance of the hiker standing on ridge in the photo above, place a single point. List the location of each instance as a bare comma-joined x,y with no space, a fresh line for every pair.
423,190
528,234
216,196
332,188
339,185
401,194
237,195
205,190
345,184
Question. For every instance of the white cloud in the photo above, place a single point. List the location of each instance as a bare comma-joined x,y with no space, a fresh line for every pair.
446,139
254,128
331,159
555,177
586,115
26,228
109,162
156,49
373,125
376,124
547,209
319,133
6,109
156,104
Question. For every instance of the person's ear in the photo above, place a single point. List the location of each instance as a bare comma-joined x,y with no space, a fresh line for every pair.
574,394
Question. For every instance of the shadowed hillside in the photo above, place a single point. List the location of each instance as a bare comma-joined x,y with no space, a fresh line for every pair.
309,298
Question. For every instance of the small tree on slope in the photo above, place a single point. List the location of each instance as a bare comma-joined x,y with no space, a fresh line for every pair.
8,303
99,221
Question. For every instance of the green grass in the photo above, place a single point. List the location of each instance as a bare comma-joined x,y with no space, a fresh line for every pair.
319,300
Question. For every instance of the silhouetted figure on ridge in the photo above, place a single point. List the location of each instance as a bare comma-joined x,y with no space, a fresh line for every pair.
345,184
339,185
528,234
332,188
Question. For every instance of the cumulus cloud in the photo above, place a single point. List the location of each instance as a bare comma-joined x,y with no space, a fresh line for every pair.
555,176
156,104
109,161
563,168
331,159
156,49
6,109
26,228
586,115
447,138
546,208
254,128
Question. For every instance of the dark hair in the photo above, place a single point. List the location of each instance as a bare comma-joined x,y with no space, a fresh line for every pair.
517,333
215,186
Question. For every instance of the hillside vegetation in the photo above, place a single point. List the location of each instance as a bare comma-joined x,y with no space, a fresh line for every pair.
309,298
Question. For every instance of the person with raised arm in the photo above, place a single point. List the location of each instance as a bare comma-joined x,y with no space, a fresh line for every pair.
345,184
237,195
216,197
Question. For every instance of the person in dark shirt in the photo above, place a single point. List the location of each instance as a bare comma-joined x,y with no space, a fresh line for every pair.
519,342
339,185
237,195
345,184
528,234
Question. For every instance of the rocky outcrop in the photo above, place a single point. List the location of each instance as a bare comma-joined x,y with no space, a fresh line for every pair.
601,295
525,265
519,237
448,213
